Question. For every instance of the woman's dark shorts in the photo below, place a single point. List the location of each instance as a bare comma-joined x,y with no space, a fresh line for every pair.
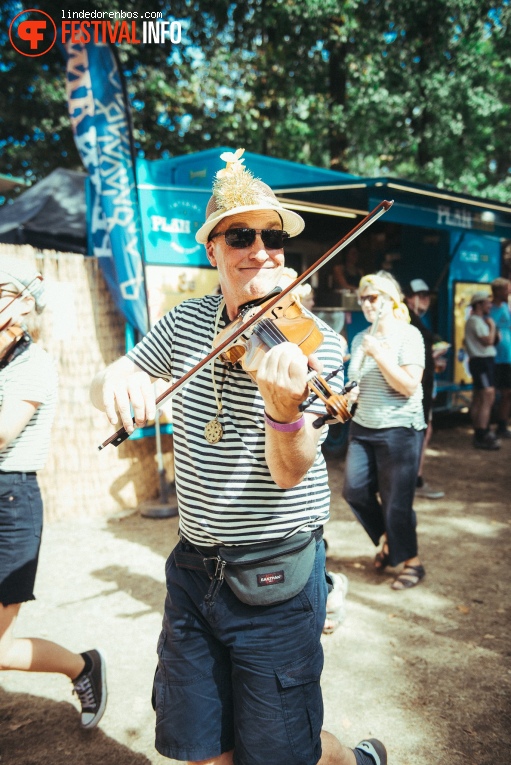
21,520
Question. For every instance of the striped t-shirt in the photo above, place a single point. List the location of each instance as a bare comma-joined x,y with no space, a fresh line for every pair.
379,405
226,494
30,376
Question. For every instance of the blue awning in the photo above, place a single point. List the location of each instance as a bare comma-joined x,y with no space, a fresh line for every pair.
414,204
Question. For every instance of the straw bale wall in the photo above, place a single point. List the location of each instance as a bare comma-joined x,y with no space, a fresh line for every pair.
83,331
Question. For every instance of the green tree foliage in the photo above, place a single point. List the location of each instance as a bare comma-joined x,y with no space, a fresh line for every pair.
418,89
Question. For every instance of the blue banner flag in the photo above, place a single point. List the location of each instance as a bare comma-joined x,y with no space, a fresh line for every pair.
99,115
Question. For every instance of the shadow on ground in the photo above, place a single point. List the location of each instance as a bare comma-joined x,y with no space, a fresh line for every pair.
146,589
38,731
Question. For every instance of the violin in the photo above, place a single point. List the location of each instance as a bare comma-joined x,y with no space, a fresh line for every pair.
284,322
122,434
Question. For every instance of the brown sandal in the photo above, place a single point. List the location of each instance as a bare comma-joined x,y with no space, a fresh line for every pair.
382,560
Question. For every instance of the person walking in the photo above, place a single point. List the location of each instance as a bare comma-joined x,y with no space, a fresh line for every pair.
28,395
241,635
418,301
387,429
480,336
501,315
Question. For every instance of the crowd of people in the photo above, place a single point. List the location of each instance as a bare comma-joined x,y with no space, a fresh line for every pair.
248,593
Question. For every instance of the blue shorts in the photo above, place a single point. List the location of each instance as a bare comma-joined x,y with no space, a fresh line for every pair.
21,521
234,676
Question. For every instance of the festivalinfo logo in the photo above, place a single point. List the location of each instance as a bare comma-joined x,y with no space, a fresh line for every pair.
33,32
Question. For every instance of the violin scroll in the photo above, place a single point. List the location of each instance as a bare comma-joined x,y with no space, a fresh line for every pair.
339,406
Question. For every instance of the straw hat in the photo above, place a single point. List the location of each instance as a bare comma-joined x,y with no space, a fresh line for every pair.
235,190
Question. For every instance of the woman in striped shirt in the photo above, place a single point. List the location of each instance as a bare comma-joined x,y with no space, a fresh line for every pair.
388,427
28,395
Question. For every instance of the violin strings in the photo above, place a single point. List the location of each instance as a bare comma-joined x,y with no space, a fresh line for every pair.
266,330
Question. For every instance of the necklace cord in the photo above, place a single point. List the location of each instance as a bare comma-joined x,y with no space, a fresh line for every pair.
218,398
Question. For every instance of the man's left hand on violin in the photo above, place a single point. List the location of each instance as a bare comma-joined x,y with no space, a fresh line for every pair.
282,380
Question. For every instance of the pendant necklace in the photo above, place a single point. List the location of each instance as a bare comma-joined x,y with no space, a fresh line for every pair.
213,430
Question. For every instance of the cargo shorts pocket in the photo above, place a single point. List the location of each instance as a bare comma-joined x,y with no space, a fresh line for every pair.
302,705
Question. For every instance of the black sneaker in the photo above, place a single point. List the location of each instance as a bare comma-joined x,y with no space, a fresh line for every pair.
488,442
91,690
374,749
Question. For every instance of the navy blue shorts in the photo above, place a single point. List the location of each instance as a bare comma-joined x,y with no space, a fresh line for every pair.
21,521
482,369
234,676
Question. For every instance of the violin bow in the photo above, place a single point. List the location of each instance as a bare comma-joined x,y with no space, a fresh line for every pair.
122,434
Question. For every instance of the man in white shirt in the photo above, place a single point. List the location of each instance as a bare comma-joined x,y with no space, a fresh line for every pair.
480,334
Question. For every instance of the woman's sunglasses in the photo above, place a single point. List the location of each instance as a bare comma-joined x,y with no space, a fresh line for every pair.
370,299
239,238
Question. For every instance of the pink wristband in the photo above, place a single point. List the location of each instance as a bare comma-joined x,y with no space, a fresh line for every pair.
285,427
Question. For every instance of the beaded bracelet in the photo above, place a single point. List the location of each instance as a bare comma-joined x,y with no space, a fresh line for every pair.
285,427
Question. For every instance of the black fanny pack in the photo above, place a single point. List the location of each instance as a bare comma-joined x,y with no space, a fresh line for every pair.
260,575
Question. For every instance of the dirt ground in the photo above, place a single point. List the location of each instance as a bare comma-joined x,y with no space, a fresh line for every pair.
427,670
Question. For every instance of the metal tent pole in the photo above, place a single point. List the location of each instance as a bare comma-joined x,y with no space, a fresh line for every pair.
165,506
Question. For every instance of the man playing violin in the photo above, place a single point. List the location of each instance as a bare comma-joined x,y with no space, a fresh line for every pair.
239,655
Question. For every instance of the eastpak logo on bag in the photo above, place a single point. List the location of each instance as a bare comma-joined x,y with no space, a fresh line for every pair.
275,577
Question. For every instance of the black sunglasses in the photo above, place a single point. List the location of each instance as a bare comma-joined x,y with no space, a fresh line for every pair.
273,238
